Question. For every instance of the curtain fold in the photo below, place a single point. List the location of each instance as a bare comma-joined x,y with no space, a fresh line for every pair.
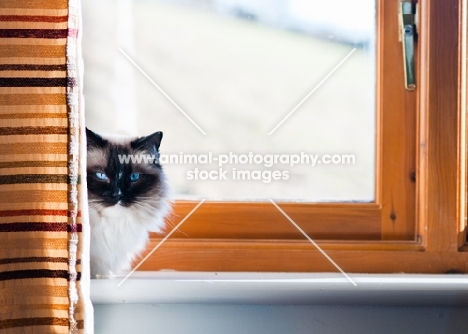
44,232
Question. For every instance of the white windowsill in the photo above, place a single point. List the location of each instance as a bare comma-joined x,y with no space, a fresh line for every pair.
282,288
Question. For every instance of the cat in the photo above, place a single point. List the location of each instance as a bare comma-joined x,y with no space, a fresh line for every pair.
126,199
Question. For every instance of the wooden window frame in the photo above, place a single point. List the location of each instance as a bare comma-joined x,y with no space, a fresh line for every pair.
417,223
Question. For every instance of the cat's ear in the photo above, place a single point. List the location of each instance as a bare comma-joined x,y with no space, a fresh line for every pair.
94,140
150,142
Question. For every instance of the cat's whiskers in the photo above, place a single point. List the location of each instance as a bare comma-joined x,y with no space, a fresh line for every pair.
148,210
154,200
97,205
169,220
140,206
115,245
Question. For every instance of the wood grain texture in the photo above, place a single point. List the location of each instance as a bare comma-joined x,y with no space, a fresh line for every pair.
246,256
439,163
263,221
463,109
462,119
397,131
416,222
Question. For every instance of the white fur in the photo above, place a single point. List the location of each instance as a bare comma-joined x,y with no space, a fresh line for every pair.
119,234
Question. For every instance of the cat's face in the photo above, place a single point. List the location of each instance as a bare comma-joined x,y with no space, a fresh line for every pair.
114,182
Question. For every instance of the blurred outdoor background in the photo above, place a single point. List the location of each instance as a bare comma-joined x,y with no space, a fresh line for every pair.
237,68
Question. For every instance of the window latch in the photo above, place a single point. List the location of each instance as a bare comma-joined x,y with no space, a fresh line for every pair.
407,27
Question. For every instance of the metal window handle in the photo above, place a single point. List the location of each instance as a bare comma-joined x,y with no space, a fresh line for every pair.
407,27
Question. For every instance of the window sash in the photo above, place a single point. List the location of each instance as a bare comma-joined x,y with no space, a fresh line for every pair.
416,223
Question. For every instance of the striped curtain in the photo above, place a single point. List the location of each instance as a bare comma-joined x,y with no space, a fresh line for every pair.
44,274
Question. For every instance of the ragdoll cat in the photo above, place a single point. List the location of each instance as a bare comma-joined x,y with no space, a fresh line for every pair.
126,199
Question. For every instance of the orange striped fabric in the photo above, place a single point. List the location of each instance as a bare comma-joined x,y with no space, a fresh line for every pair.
40,192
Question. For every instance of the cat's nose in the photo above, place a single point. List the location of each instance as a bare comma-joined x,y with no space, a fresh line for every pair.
117,195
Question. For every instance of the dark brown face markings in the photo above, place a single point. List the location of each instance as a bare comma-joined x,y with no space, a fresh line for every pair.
118,188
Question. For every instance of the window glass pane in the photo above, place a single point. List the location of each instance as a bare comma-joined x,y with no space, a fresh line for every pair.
273,82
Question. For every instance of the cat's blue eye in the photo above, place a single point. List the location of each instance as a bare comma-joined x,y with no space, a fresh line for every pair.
134,177
101,176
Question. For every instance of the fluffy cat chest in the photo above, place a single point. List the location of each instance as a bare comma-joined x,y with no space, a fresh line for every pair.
127,199
118,225
115,242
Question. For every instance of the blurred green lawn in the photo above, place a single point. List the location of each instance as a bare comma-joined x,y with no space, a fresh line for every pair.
237,79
